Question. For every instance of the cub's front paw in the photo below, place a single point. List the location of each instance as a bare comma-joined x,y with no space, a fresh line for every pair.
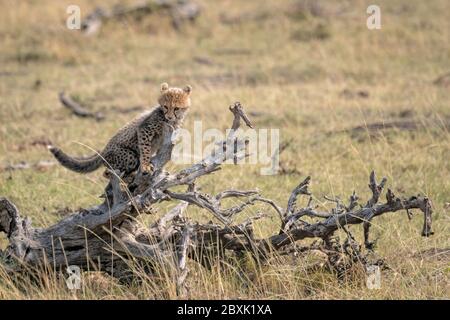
147,168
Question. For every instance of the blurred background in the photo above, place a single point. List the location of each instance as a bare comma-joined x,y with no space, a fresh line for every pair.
346,100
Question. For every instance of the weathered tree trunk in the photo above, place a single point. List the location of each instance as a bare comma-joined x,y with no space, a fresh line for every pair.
106,236
179,11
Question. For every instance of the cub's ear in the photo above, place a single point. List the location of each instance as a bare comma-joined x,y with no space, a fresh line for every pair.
187,89
164,86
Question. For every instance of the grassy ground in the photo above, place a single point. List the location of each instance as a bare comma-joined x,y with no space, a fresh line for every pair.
293,70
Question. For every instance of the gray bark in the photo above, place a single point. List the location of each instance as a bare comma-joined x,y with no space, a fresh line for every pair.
107,235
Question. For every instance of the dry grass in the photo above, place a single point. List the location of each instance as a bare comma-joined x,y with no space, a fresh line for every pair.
289,67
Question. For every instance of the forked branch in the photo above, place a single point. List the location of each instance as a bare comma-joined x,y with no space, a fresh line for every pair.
93,234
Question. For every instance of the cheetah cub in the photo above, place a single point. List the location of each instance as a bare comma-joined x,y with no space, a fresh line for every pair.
134,144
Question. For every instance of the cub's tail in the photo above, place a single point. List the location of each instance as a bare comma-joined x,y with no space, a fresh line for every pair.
82,165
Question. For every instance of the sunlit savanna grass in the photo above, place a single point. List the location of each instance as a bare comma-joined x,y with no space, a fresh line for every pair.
287,68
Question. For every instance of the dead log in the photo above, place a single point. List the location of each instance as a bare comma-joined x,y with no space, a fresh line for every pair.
178,10
107,236
81,111
23,165
78,109
403,125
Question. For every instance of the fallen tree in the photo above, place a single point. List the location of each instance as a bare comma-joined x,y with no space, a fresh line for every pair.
81,111
39,165
78,109
178,10
411,125
107,236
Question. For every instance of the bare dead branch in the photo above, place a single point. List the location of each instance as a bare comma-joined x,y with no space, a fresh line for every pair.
40,165
404,125
78,109
182,266
238,112
179,11
109,233
302,188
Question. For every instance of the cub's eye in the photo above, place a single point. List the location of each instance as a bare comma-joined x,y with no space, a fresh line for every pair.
176,109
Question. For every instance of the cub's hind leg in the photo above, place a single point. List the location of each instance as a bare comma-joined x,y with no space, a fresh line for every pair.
122,159
146,134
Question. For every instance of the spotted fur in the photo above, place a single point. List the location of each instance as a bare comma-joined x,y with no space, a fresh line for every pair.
135,143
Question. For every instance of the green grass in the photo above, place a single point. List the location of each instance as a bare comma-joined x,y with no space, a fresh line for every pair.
289,67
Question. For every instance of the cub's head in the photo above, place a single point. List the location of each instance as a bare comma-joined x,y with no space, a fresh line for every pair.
174,102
